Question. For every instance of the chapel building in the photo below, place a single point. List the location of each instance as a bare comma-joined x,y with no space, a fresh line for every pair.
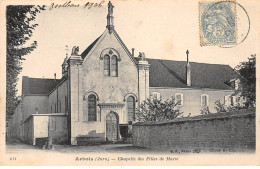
100,90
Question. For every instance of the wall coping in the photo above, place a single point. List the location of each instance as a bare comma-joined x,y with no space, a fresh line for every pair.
193,88
224,115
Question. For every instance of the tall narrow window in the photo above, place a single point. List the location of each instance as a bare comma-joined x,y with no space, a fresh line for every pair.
92,114
52,123
107,65
179,99
131,108
204,100
155,95
227,100
233,101
114,66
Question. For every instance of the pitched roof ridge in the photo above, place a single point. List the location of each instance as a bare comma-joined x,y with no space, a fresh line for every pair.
125,47
122,43
88,49
190,61
92,45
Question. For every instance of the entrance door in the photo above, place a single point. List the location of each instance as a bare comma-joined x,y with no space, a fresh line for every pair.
112,126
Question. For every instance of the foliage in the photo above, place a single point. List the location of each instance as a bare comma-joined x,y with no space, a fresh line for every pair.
19,28
205,110
157,110
247,71
224,108
220,107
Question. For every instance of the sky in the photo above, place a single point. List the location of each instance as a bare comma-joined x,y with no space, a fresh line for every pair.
160,29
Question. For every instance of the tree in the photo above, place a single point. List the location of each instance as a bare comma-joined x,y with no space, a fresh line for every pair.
205,110
19,28
156,110
247,80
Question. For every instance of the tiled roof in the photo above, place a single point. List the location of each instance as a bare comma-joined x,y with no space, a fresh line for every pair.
38,85
169,73
85,52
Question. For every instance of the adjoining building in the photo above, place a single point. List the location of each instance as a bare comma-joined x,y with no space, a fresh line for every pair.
101,88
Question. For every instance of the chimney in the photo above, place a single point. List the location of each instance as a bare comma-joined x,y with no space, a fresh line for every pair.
133,52
54,75
188,70
110,18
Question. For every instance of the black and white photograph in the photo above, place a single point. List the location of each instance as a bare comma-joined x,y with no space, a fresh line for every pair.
124,83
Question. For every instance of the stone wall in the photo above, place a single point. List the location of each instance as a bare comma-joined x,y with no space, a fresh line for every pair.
223,130
39,126
30,104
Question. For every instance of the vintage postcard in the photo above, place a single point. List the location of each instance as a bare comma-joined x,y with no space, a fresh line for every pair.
129,83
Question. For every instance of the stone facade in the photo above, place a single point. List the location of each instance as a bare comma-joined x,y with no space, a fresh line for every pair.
88,78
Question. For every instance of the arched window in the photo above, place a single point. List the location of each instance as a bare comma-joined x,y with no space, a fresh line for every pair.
114,66
131,108
106,65
111,58
92,113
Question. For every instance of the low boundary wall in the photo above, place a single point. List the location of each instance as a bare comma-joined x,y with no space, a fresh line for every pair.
221,130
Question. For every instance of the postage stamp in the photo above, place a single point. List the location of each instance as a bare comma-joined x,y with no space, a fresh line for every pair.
217,23
127,83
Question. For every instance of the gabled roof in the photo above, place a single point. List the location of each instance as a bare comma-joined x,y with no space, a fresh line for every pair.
85,52
169,73
38,85
93,45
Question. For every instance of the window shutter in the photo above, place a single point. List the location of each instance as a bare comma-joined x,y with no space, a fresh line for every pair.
226,100
234,98
204,100
179,99
237,84
158,96
229,101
